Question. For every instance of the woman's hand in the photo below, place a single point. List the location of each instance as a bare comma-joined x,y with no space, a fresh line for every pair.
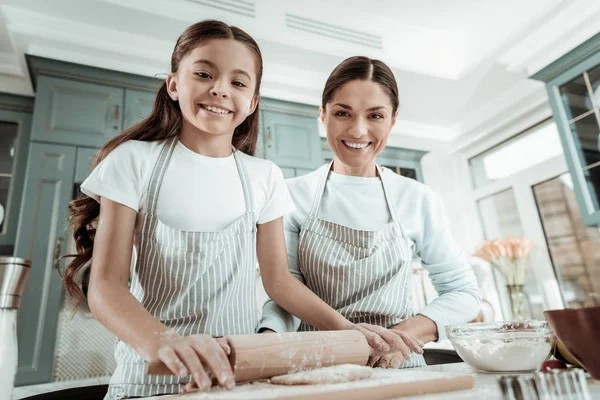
392,361
384,341
201,356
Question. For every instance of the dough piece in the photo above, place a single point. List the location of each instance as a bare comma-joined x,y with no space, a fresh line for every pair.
335,374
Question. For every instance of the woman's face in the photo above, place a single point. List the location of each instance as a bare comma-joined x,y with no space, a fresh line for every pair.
358,120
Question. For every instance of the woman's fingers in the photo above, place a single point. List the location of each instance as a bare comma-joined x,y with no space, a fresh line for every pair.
188,356
412,343
373,339
392,361
224,345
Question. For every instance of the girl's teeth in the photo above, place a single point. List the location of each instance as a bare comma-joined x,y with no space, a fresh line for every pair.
216,110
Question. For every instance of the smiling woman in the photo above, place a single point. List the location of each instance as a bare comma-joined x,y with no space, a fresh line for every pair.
356,225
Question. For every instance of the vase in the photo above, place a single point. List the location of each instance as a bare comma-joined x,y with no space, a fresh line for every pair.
516,294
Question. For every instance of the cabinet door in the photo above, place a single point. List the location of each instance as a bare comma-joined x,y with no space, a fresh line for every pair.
292,140
76,113
42,222
138,105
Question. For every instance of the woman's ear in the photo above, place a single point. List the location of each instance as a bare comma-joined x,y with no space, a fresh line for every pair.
322,114
172,87
394,118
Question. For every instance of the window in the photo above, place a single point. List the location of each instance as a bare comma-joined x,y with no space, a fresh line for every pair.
538,144
8,137
574,248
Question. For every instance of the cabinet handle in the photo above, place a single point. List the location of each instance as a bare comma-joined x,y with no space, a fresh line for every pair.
57,250
116,117
269,137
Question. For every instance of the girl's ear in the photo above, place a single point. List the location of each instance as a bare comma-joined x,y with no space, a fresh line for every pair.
253,104
172,87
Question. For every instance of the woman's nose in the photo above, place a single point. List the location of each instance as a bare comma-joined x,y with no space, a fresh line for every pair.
359,128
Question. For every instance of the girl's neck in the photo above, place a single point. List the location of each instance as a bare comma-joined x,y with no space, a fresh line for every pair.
367,171
216,146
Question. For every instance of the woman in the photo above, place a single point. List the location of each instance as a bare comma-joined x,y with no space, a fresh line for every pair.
356,225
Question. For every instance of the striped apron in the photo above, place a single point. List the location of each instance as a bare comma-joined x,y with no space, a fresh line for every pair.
193,282
364,275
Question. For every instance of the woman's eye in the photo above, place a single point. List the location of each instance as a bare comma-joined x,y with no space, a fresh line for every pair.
341,114
238,84
203,74
376,116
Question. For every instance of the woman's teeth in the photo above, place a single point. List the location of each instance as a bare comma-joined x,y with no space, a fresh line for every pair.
355,145
216,110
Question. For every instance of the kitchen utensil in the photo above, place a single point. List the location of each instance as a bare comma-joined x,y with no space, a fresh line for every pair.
13,274
565,384
264,355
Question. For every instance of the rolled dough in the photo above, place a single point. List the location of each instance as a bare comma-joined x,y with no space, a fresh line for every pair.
335,374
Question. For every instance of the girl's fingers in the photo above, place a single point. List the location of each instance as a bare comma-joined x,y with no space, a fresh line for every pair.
190,358
214,359
170,358
224,345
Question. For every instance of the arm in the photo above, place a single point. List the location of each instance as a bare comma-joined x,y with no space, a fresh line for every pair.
117,309
287,291
275,318
450,273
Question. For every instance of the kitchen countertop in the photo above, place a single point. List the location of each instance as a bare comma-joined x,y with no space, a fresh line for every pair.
486,386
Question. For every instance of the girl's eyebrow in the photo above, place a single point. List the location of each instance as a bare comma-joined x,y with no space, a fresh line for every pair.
212,65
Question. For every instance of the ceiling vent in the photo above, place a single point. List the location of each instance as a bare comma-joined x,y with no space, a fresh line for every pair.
332,31
245,8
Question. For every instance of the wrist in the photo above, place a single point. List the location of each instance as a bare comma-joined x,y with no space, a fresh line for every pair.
149,350
419,327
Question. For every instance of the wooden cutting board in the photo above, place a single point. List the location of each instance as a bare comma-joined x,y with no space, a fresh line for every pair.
384,384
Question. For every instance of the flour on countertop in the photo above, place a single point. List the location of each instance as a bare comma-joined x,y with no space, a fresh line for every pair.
336,374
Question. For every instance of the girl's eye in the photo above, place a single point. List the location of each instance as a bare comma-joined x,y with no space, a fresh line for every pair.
203,74
341,114
238,84
376,116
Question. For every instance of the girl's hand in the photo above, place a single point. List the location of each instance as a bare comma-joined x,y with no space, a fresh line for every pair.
384,341
202,356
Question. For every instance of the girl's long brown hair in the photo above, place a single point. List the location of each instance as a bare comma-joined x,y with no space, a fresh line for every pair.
164,122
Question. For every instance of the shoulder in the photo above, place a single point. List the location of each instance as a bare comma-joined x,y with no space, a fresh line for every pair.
403,186
136,150
304,185
258,166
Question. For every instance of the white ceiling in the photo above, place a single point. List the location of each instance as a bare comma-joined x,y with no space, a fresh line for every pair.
460,64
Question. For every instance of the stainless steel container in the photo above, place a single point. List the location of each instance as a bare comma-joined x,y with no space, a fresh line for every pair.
13,275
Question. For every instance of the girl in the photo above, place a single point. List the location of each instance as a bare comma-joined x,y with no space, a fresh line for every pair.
182,190
359,262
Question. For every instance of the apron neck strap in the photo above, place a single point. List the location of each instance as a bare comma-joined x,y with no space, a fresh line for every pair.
316,206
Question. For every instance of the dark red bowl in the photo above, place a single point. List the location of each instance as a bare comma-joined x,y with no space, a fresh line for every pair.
579,331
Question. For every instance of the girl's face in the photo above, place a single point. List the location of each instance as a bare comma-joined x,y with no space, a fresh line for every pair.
215,86
358,120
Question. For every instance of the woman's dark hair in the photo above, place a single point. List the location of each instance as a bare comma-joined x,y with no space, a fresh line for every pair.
362,68
164,122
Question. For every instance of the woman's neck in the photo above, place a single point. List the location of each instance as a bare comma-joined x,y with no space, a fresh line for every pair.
206,144
367,171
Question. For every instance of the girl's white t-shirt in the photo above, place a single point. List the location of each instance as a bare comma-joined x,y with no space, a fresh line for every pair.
198,193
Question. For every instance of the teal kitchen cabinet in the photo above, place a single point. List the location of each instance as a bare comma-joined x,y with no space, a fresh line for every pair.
291,141
573,87
138,106
40,238
76,113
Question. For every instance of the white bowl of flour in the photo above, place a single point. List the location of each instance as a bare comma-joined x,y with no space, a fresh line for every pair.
502,347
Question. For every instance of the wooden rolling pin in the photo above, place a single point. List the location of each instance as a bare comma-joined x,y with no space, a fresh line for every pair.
265,355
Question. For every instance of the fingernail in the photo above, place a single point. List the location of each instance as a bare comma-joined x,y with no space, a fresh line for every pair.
230,383
206,383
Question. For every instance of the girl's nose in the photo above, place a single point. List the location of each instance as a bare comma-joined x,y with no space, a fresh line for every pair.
217,91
